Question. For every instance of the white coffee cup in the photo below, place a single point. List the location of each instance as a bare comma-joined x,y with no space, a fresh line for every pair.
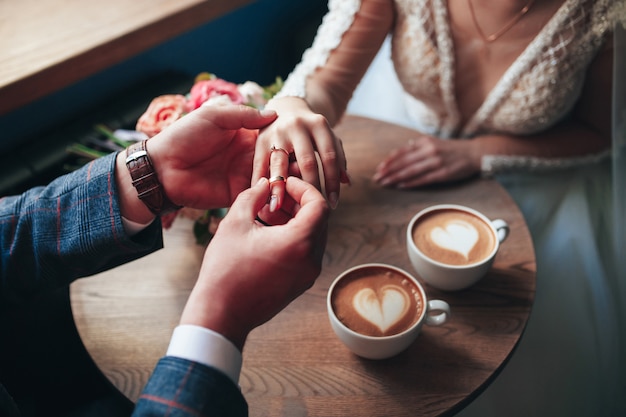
431,312
471,234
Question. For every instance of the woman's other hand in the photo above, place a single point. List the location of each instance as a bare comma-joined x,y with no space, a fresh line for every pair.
428,160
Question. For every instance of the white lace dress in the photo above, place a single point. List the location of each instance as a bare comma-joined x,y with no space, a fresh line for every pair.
567,362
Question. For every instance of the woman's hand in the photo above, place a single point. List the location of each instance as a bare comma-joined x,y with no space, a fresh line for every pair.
428,160
291,146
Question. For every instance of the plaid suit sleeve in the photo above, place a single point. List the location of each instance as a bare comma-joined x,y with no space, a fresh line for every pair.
182,388
71,228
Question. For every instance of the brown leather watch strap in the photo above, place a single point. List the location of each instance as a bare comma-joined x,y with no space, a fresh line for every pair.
146,181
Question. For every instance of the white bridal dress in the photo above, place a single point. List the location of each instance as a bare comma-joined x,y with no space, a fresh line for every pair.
570,361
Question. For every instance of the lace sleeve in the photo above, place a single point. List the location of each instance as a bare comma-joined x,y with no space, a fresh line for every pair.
617,13
335,23
500,164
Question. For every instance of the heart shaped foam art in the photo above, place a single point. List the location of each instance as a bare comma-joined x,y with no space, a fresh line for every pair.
458,236
385,311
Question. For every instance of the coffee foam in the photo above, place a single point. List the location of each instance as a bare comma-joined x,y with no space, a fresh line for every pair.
377,302
453,237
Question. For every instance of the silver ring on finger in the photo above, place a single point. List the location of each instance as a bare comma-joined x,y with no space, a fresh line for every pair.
277,178
274,148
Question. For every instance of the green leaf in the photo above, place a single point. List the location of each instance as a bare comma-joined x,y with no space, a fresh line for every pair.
271,90
85,151
201,226
109,134
201,232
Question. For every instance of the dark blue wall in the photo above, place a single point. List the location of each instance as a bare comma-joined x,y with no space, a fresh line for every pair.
257,42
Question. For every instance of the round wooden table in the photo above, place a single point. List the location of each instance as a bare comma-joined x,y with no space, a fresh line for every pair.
294,365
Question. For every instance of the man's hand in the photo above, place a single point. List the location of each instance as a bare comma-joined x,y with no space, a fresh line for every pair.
250,272
203,161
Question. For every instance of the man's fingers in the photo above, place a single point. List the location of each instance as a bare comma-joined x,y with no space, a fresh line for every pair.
312,206
233,117
250,202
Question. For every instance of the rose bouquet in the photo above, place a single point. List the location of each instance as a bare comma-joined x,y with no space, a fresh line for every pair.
164,110
207,90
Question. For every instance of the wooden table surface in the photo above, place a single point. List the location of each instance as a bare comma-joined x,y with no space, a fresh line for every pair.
294,365
46,45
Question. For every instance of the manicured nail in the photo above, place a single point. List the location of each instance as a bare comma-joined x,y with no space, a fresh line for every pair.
333,199
273,203
267,113
345,178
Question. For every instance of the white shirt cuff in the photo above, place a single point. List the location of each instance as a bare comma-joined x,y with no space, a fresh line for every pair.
207,347
132,228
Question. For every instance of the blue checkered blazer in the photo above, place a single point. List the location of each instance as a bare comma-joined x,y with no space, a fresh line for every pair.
72,228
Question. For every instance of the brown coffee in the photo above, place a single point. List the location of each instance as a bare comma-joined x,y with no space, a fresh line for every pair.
377,301
454,237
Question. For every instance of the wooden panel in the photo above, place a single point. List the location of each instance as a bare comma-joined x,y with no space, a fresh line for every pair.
46,45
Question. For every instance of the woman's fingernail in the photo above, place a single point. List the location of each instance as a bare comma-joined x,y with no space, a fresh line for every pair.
267,113
273,203
379,177
333,199
345,178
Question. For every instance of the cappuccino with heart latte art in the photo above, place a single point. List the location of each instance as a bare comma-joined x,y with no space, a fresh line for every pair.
454,237
378,310
377,301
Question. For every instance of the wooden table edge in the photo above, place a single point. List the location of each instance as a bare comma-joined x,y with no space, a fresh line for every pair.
34,86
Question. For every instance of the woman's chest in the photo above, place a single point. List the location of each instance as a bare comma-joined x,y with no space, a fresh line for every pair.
488,44
438,51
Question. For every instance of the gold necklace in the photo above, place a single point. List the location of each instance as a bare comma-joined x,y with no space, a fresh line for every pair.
494,36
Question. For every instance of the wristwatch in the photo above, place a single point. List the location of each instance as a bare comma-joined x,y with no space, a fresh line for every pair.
145,180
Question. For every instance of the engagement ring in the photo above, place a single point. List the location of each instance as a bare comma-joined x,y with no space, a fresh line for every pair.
274,148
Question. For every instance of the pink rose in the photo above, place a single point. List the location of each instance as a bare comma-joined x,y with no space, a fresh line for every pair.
162,112
204,90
